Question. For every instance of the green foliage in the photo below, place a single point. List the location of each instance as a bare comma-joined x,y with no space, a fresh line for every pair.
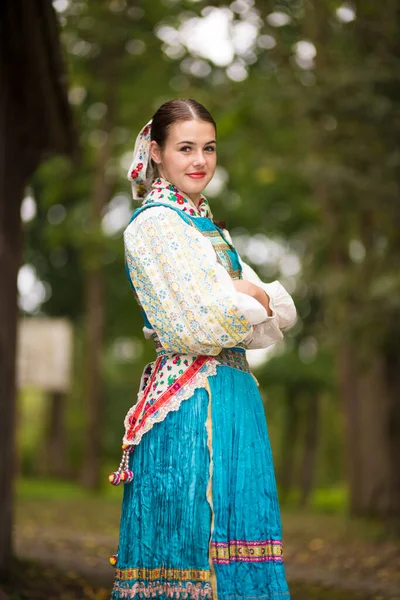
312,156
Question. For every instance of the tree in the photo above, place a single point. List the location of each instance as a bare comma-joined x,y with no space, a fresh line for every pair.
35,121
349,104
358,203
308,132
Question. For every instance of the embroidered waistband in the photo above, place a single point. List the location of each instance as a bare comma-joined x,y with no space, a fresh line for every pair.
233,357
230,357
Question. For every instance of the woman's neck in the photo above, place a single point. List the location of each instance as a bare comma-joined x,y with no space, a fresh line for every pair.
194,199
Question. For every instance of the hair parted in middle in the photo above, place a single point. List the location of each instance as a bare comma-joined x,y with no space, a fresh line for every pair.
177,110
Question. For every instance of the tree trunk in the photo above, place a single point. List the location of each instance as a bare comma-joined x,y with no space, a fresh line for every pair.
91,476
289,438
10,257
310,448
55,461
34,121
371,403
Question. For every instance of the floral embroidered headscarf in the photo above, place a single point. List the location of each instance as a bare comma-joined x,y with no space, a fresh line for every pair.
140,171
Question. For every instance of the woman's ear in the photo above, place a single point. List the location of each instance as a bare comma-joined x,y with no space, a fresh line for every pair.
155,152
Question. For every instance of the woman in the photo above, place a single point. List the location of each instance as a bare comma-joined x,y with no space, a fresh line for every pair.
200,515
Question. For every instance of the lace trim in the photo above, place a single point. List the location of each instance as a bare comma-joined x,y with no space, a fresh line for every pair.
209,428
180,590
199,381
142,390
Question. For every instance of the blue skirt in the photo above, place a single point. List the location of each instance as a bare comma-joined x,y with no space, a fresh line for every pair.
201,517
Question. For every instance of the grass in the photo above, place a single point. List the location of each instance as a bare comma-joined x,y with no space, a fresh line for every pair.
333,500
30,488
327,500
43,500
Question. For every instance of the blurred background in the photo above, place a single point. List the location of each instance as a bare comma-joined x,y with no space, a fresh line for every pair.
306,96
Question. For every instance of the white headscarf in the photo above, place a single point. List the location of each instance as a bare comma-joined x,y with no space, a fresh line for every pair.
141,172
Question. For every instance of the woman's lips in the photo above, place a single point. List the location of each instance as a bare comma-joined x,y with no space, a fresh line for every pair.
197,175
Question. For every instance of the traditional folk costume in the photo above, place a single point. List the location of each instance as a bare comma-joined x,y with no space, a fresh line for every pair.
200,515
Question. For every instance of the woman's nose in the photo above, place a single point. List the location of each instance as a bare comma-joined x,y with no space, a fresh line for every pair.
199,159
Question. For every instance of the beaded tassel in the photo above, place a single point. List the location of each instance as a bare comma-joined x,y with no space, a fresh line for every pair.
123,473
113,560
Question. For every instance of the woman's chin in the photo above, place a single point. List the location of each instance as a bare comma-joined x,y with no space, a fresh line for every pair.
195,186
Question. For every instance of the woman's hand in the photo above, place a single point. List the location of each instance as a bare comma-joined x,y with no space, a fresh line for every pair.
255,291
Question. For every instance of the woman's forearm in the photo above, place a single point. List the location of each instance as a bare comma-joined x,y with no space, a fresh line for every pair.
255,291
262,297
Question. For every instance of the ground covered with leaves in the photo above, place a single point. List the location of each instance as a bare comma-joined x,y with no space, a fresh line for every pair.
35,581
64,538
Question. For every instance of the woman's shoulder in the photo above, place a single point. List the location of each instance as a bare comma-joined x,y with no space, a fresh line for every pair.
159,214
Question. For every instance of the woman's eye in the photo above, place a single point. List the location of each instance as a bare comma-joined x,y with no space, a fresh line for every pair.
210,148
185,149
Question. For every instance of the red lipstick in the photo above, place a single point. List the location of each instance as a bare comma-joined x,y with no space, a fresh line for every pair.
197,175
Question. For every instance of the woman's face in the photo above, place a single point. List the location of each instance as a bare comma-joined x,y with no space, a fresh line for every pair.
189,157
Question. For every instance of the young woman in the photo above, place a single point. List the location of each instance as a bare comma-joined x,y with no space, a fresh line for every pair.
200,515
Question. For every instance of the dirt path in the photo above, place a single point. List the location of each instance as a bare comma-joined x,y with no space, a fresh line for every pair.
325,557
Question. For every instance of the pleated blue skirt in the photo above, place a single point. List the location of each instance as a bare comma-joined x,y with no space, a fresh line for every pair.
201,517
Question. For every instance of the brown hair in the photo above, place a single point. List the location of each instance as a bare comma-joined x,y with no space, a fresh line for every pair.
173,111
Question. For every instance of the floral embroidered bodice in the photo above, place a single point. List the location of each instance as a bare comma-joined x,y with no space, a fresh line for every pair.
225,252
200,217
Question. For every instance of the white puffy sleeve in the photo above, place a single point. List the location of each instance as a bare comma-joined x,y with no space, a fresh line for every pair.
191,305
282,308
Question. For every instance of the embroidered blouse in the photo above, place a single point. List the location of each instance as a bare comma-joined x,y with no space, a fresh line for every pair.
191,305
